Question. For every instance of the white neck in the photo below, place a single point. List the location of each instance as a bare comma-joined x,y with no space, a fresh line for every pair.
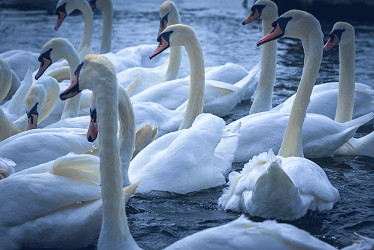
71,108
344,109
313,50
195,102
126,132
106,42
88,26
175,59
114,232
264,93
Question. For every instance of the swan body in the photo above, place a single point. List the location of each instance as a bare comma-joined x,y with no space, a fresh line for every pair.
37,146
187,160
324,100
321,136
14,57
287,185
6,168
220,97
243,233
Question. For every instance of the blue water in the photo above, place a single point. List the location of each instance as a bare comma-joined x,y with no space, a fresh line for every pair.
158,222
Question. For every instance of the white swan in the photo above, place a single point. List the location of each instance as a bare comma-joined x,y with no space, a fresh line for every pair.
220,97
287,185
344,99
52,51
350,100
267,11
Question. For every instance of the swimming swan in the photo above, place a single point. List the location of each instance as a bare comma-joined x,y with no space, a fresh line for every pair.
287,185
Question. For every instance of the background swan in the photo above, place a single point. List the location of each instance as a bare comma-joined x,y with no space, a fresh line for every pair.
267,11
14,57
52,51
343,34
287,185
219,97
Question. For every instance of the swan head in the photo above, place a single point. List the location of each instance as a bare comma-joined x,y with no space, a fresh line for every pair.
294,24
342,33
174,35
262,9
168,11
52,51
92,68
34,100
65,7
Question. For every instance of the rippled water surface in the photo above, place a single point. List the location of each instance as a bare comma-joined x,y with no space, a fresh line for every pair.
157,222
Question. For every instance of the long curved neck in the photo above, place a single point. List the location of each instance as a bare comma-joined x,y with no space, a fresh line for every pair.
5,78
114,230
71,108
175,59
344,109
195,102
126,132
106,42
264,93
292,140
88,26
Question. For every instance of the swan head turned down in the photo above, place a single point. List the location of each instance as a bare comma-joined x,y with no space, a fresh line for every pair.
262,9
294,24
168,12
52,51
65,7
174,35
342,33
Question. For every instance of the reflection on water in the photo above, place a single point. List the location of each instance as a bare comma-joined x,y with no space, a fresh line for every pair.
157,222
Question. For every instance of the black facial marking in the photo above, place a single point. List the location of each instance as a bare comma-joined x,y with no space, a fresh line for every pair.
165,35
259,8
33,111
46,55
62,8
75,89
93,114
78,70
165,18
282,21
92,4
338,33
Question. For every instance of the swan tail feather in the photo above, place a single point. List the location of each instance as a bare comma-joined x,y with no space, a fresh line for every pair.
131,87
130,190
79,167
144,136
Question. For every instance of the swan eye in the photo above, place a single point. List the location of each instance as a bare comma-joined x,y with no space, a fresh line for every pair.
336,33
61,9
33,111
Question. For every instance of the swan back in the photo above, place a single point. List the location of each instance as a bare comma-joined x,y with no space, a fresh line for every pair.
5,78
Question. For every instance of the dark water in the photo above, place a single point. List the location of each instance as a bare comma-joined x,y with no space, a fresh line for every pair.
157,222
